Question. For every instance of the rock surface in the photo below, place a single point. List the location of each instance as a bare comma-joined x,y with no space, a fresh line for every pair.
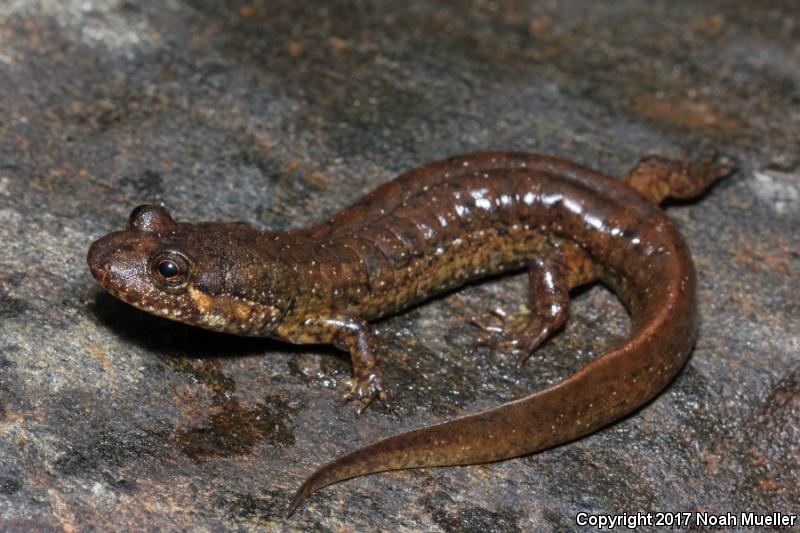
281,113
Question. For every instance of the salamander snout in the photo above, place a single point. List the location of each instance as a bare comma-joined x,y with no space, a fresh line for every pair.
100,258
117,263
94,258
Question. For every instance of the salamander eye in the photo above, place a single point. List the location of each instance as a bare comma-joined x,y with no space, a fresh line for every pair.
170,269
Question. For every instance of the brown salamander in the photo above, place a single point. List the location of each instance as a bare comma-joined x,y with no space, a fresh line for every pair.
430,230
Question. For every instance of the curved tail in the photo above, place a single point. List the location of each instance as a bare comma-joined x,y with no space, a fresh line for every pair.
663,308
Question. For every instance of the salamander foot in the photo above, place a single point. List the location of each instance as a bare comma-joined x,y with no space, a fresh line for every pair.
364,391
521,332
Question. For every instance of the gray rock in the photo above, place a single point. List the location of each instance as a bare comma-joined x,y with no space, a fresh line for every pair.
280,114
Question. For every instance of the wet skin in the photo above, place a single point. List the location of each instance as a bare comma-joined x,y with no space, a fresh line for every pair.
430,230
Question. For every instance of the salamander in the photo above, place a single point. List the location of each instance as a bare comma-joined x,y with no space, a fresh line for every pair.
431,230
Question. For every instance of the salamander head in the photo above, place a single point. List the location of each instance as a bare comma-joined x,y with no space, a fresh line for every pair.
213,275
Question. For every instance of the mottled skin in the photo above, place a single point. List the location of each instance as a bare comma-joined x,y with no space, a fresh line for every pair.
428,231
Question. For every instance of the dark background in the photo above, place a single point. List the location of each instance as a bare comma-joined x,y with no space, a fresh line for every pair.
280,113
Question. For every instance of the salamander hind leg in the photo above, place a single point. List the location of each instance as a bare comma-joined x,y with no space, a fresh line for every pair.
657,177
551,277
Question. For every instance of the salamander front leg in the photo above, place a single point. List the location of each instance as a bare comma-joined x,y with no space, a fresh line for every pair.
551,278
365,385
354,336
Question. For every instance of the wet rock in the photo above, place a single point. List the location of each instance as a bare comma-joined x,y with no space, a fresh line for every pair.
281,114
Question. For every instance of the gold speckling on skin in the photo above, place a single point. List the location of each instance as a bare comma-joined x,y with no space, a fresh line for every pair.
203,301
215,321
242,311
